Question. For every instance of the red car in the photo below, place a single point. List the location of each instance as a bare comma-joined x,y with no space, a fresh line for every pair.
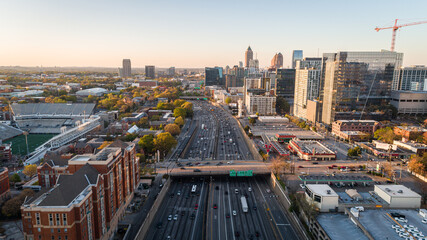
300,167
334,166
196,207
215,206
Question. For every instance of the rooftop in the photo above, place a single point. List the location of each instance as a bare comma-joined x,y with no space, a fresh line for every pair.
53,109
339,226
397,191
8,132
322,190
70,189
334,178
312,147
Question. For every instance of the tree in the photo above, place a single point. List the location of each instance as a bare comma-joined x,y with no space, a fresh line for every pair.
188,106
179,112
386,135
354,152
164,142
246,128
15,178
252,121
282,106
30,170
228,100
179,102
277,165
179,121
147,143
165,106
172,129
418,164
12,208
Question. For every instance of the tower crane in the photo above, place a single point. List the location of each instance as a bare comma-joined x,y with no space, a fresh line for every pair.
395,28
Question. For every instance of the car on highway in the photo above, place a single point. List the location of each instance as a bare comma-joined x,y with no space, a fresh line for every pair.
197,170
250,189
183,168
178,193
192,216
256,234
234,212
215,206
226,192
255,208
159,225
300,166
169,217
236,191
227,215
182,213
237,234
315,163
196,207
175,217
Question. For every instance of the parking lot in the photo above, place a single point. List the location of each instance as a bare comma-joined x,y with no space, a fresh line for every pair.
215,210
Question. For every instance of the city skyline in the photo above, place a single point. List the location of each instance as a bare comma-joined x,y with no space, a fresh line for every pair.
95,34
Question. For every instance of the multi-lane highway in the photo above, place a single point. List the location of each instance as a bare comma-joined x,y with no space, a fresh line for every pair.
215,211
213,135
182,212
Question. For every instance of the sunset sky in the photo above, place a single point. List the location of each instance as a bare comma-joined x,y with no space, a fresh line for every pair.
200,33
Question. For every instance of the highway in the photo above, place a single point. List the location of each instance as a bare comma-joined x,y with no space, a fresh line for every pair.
212,135
209,213
180,202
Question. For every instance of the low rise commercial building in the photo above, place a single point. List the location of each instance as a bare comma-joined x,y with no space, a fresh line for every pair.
311,150
322,196
366,126
409,132
417,148
398,196
409,102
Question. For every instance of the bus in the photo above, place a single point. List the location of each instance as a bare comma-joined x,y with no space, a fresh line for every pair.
193,189
244,204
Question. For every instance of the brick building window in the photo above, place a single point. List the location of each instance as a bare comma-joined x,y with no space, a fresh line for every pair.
58,221
38,218
64,219
50,219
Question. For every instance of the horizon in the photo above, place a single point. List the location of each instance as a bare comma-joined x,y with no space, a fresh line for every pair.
195,34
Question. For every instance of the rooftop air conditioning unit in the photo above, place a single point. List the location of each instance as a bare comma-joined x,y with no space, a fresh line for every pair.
400,191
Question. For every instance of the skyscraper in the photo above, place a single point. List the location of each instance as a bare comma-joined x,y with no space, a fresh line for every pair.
352,79
307,80
127,70
285,84
249,55
277,61
150,71
296,55
213,76
171,71
412,78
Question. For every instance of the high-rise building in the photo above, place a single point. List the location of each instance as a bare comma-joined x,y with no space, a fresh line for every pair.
306,88
213,76
240,64
150,72
277,61
262,104
352,79
227,69
296,55
171,71
315,63
126,70
249,55
285,84
413,78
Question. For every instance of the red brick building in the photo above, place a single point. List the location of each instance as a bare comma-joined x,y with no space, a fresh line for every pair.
50,170
409,132
4,184
88,203
345,128
5,151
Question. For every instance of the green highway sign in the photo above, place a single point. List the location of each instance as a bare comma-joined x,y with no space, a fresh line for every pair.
248,173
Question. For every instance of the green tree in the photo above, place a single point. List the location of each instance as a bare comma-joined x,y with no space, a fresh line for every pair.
15,178
282,106
386,135
164,142
12,208
147,143
228,100
165,106
172,129
188,106
179,121
178,102
179,112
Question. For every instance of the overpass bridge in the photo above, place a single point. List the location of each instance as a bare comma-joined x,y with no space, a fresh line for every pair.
62,139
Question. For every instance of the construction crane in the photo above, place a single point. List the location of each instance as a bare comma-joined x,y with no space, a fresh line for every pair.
395,28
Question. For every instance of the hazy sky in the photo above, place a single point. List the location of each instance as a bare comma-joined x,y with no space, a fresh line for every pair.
200,33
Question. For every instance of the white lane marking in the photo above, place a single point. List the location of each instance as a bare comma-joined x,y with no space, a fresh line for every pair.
229,204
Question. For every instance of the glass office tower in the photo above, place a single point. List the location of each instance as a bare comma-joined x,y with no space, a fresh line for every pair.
296,55
352,79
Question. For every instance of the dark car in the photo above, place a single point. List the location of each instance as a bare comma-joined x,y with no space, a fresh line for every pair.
192,216
237,234
315,162
226,192
196,170
217,187
159,225
257,234
255,208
